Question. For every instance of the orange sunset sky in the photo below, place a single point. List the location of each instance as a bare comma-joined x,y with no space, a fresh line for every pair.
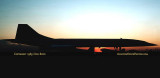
100,19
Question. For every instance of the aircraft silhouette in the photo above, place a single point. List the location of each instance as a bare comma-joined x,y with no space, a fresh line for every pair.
26,35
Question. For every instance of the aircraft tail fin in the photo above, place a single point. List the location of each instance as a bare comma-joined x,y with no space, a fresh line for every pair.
25,32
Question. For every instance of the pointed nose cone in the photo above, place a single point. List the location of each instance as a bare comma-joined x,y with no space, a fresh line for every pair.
151,44
144,43
154,45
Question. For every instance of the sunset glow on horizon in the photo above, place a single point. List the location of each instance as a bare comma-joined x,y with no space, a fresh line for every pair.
100,19
97,49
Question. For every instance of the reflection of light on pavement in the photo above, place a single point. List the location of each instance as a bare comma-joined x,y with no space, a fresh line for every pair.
97,49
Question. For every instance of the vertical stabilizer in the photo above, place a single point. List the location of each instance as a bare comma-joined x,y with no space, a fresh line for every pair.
25,32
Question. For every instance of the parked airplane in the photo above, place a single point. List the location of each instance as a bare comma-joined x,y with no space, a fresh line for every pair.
26,35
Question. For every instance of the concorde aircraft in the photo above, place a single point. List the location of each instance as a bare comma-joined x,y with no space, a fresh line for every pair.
26,35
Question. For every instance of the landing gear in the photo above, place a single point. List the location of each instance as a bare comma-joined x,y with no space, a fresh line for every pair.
120,49
116,48
91,49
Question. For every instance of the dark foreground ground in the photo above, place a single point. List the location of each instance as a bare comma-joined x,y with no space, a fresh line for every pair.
78,58
78,53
